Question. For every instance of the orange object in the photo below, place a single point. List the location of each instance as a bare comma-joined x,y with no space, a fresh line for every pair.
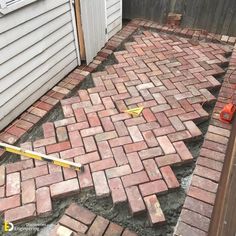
226,115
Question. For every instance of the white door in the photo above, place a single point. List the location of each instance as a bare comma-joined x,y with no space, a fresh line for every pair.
93,16
113,17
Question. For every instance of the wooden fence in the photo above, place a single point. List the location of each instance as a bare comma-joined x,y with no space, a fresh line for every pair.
217,16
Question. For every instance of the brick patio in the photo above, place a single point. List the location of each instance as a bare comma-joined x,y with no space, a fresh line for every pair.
125,157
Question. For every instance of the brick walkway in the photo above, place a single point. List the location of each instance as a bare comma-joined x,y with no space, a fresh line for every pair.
125,157
80,221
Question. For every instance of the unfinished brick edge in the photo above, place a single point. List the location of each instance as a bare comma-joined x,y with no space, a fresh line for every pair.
78,220
196,215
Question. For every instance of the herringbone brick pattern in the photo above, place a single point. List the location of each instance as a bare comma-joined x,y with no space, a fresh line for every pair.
127,157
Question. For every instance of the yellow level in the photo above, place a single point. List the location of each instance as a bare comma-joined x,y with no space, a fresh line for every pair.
135,111
42,157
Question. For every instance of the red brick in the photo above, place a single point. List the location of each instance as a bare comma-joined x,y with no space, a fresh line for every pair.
104,149
120,156
135,200
13,184
80,115
94,108
162,119
216,138
108,103
219,131
114,229
212,154
28,191
189,116
121,128
128,233
72,224
43,201
85,178
152,169
205,184
87,158
61,134
135,121
134,147
120,117
25,125
202,195
44,142
93,119
64,122
195,220
78,126
48,130
67,111
215,146
164,131
34,172
102,164
8,138
148,115
20,214
134,179
18,166
2,192
118,171
58,147
49,179
177,123
207,173
179,136
107,124
100,184
168,160
18,132
150,139
80,214
120,141
64,189
183,151
98,227
91,131
30,117
215,165
155,187
166,145
89,144
193,129
155,213
106,136
117,191
135,134
186,230
169,177
198,206
75,139
9,202
135,162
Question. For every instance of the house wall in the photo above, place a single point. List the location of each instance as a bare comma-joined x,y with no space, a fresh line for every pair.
38,49
217,16
114,17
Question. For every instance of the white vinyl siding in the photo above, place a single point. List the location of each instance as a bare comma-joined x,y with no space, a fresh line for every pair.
38,49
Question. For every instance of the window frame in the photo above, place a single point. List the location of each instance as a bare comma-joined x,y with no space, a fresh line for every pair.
6,9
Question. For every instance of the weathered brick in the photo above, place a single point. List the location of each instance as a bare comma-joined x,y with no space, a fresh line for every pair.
135,162
207,173
43,201
102,164
204,183
75,139
34,172
78,126
61,134
87,158
65,188
73,224
2,175
134,147
44,142
114,229
91,131
202,195
18,166
48,130
120,156
80,213
148,115
104,149
28,191
85,178
72,153
217,156
166,145
186,230
117,191
193,129
150,139
107,124
93,119
212,164
164,131
155,187
20,214
98,227
89,144
154,210
120,141
64,122
13,184
118,171
100,184
9,202
152,169
58,147
218,130
168,160
135,200
169,177
183,151
134,179
49,179
135,134
106,136
128,233
80,115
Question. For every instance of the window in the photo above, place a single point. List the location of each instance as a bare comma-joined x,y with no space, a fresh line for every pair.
7,6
